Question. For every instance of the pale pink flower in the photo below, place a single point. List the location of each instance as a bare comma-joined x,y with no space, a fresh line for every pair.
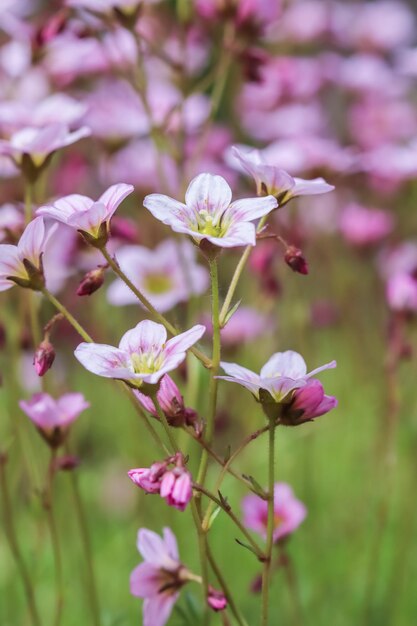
374,121
362,226
288,121
82,213
58,108
40,143
22,264
289,512
166,275
246,324
144,355
53,417
11,221
160,577
209,213
402,259
276,181
282,374
401,293
304,21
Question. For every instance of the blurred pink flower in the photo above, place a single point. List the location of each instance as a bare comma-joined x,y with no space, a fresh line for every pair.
289,512
259,12
208,212
22,264
246,324
39,143
361,226
375,121
282,373
144,355
160,577
58,108
53,417
304,21
216,599
274,180
401,259
86,215
166,275
11,221
401,293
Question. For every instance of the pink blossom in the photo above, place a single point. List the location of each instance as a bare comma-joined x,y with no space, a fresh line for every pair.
246,324
216,599
304,21
90,217
208,212
22,264
58,108
362,226
401,292
159,578
171,402
275,180
289,512
401,259
144,355
166,275
282,374
307,403
375,121
53,417
11,221
39,143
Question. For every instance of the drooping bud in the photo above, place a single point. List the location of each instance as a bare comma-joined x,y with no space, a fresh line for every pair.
91,282
66,463
295,259
216,599
44,357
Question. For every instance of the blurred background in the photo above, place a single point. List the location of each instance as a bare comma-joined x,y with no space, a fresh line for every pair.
322,88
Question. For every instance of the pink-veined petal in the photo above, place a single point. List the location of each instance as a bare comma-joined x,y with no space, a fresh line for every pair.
289,364
249,209
167,210
103,360
185,340
114,196
63,208
90,220
147,335
208,193
31,242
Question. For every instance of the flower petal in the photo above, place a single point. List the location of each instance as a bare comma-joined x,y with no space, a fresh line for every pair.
168,210
185,340
145,581
89,221
63,208
208,193
155,551
103,360
114,196
248,209
289,364
31,242
156,610
147,335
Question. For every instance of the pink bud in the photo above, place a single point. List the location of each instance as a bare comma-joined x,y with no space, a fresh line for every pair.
44,357
216,599
295,259
91,282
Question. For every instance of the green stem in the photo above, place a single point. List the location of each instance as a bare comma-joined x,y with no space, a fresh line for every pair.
28,202
266,574
56,546
215,364
225,469
202,548
145,302
165,424
220,503
222,582
14,546
237,274
86,542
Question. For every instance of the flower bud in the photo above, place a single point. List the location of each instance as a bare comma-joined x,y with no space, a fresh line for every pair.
66,463
44,357
216,599
91,282
295,259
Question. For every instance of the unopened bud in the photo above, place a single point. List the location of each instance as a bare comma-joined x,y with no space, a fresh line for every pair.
44,357
124,228
66,463
295,259
91,282
216,599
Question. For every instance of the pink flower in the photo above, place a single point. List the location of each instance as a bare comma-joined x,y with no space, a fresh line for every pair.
216,599
307,403
246,324
208,212
174,484
90,217
276,181
361,226
401,292
160,577
283,373
11,221
144,355
171,402
53,417
166,275
289,512
22,264
58,108
39,143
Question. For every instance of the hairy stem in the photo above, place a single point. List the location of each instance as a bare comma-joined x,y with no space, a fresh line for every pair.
55,541
266,574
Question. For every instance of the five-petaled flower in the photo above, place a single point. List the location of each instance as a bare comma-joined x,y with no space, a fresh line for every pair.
209,213
144,355
22,264
160,577
275,181
91,218
288,512
284,387
53,417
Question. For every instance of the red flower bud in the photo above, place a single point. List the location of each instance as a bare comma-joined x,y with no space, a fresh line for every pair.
91,282
44,357
295,259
